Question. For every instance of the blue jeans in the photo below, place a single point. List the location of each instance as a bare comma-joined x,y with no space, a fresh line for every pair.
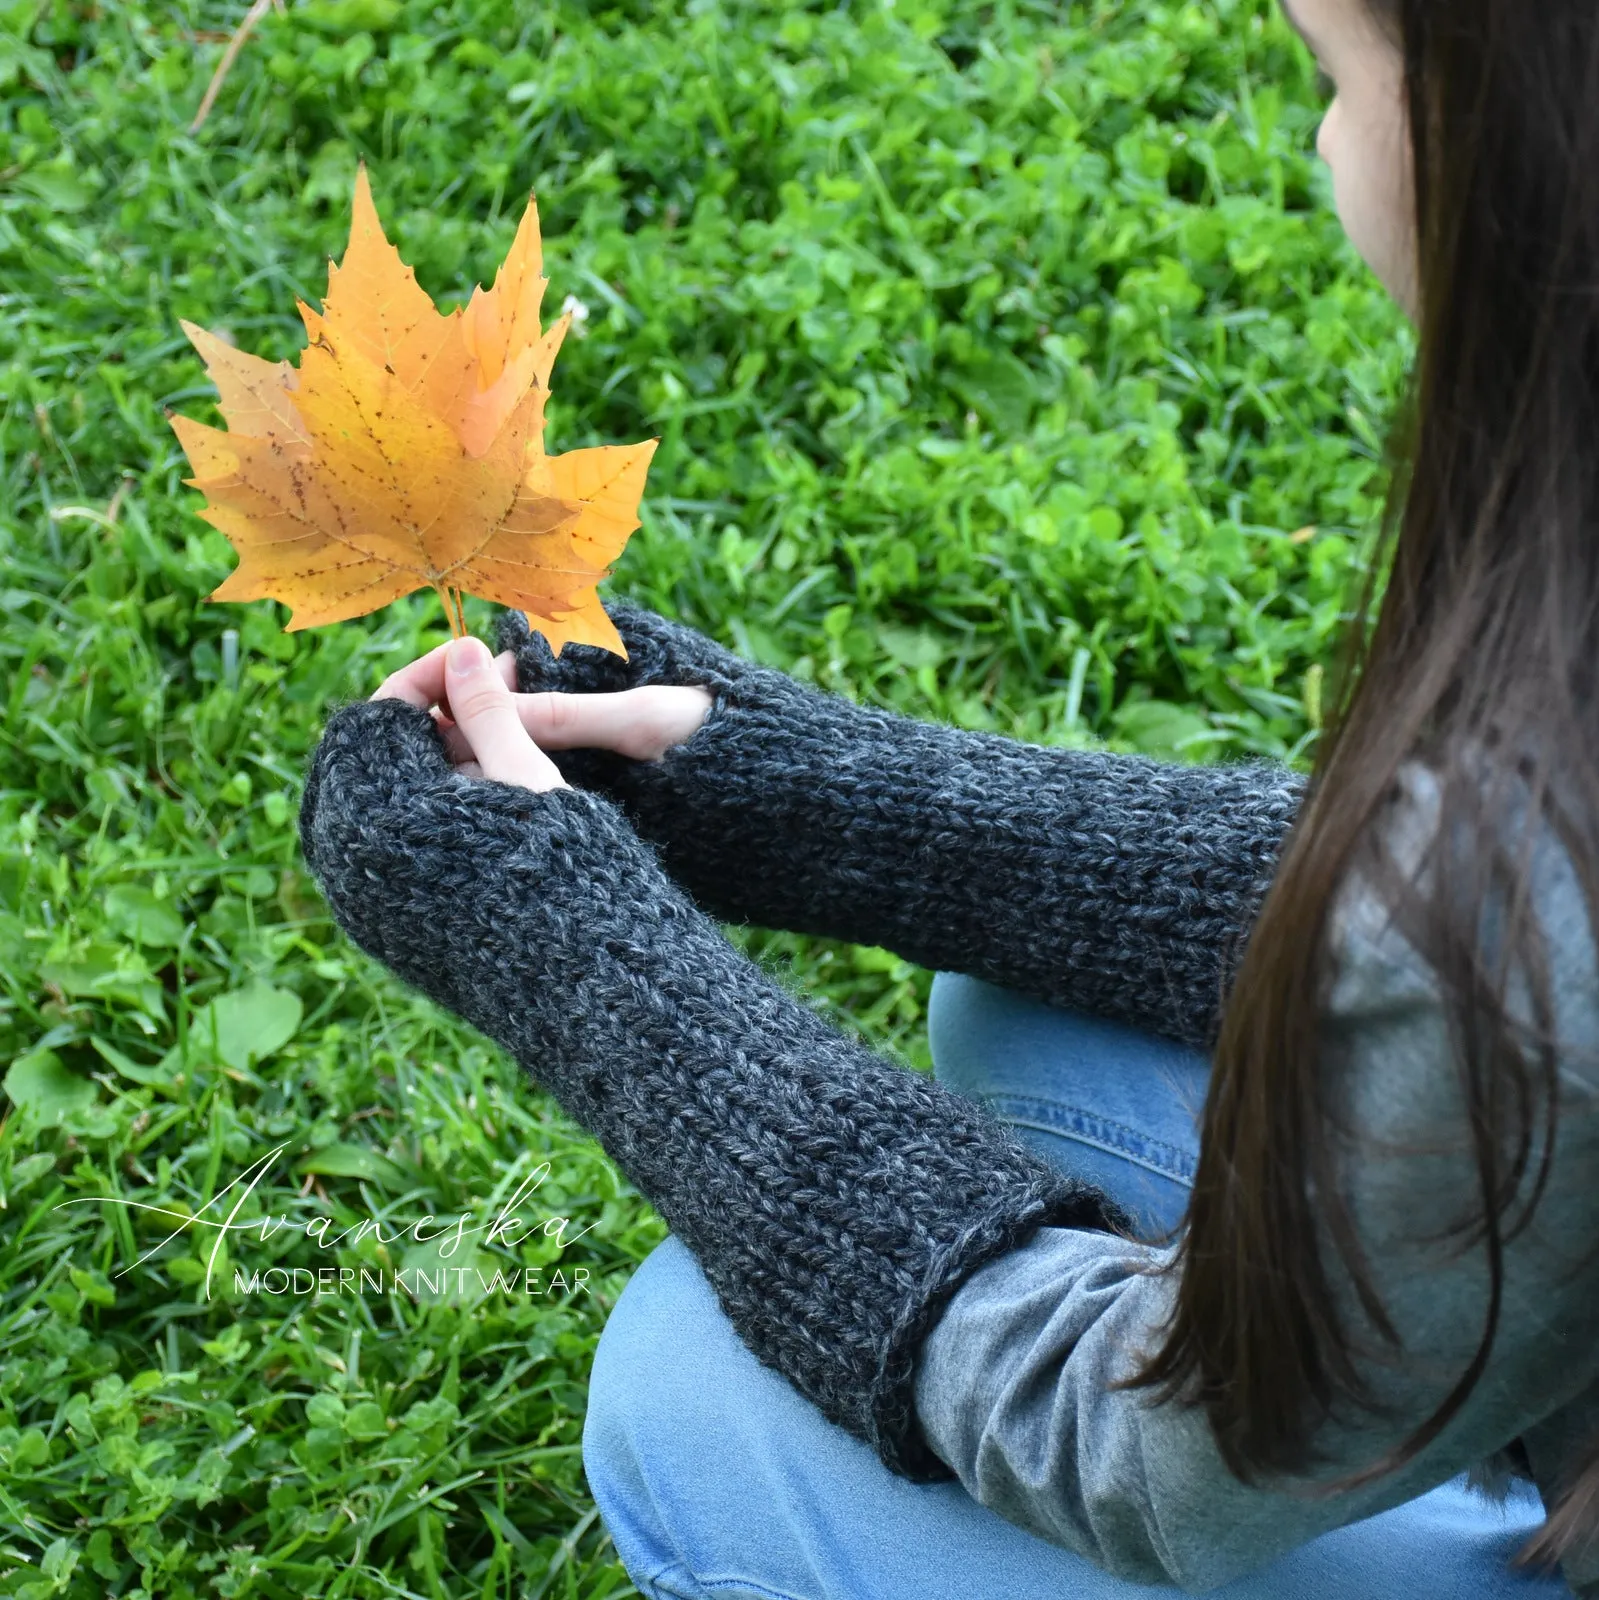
716,1477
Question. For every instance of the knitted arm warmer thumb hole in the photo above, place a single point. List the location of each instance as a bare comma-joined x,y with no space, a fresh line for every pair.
659,651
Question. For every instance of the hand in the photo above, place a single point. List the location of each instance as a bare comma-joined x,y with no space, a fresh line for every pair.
492,732
660,653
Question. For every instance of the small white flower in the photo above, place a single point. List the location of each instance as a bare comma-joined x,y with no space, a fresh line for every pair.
579,313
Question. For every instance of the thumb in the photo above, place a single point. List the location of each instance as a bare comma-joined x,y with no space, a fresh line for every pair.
482,709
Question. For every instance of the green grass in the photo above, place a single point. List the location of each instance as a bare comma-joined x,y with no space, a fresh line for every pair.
998,354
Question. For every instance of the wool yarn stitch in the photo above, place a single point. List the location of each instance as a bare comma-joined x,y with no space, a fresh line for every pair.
835,1200
1115,884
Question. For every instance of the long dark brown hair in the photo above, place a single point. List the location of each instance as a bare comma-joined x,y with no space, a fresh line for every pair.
1486,641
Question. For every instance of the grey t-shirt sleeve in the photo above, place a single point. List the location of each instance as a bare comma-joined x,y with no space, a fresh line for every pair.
1012,1385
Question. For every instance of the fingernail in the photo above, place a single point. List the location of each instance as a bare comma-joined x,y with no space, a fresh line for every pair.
467,655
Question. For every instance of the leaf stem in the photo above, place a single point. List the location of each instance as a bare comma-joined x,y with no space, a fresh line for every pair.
457,627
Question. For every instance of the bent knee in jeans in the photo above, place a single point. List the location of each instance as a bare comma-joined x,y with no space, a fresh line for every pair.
715,1477
1096,1097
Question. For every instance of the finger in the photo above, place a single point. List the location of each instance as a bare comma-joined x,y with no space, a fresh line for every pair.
484,711
642,723
422,682
455,743
456,749
419,684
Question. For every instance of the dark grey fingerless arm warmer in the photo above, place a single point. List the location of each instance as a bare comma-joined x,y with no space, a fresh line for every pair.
835,1201
1113,884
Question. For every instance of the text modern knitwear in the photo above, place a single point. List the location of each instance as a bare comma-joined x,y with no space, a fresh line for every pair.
891,1248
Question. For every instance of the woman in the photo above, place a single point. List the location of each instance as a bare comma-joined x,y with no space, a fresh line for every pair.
899,1345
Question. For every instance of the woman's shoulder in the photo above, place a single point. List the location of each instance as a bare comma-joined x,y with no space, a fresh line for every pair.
1399,1057
1373,957
1379,952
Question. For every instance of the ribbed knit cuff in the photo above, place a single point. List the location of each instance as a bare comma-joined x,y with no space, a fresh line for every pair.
835,1200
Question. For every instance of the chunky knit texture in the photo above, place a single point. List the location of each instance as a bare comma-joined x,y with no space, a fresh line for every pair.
834,1200
1113,884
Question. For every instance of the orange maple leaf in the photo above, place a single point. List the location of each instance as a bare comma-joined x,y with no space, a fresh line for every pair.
407,452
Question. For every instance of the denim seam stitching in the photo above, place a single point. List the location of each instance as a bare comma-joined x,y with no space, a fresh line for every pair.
708,1585
1003,1103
